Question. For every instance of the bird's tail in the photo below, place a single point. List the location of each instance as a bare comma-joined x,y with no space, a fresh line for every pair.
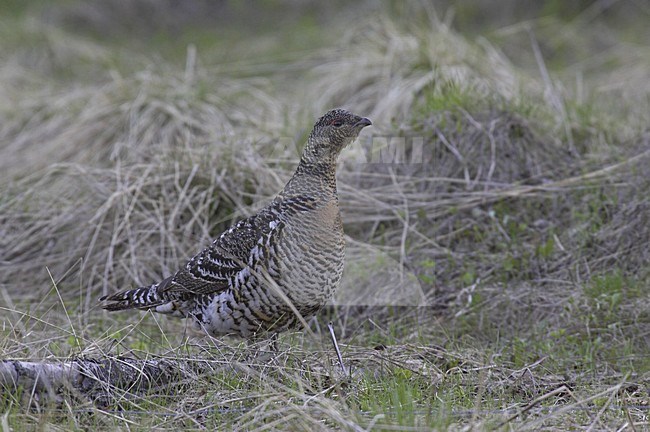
137,298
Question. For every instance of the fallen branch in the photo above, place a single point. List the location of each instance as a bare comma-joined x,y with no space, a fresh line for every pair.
101,381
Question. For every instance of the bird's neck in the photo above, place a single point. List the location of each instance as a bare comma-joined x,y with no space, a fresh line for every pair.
315,174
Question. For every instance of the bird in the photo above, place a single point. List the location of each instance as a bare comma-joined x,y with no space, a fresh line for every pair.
274,270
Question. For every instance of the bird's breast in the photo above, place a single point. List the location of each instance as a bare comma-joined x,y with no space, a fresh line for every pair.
313,252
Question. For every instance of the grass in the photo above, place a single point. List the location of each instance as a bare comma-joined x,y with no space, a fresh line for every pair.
523,228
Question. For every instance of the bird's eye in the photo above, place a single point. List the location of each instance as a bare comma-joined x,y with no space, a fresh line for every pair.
337,123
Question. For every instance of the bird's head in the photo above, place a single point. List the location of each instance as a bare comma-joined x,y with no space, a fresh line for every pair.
333,132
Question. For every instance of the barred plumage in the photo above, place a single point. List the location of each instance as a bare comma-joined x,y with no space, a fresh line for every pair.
288,257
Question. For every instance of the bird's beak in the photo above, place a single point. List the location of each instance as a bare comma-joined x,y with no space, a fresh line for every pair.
362,123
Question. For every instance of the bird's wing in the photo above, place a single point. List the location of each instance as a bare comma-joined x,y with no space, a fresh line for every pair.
243,246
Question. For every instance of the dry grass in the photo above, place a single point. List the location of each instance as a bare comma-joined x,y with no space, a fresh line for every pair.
521,233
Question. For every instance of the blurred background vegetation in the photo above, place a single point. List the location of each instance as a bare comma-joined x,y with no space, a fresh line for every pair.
133,132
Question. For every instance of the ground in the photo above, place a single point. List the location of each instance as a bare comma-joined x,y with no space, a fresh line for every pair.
497,212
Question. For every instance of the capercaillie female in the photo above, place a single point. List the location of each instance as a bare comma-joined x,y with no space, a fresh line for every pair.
283,261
